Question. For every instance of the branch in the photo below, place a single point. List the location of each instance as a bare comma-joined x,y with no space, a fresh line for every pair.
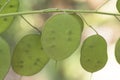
51,10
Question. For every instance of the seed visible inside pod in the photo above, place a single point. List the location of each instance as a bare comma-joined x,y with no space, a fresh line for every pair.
93,53
61,35
12,6
28,57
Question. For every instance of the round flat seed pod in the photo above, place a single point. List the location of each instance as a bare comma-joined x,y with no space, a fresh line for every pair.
118,5
28,56
61,35
93,53
117,51
12,6
4,58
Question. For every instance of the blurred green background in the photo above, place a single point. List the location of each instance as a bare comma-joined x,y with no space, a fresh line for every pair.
70,68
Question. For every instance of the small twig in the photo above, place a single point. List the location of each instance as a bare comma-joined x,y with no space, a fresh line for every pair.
56,65
4,5
117,18
31,24
91,76
102,5
88,24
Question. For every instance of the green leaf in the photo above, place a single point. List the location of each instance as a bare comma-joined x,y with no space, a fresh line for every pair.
4,58
117,51
93,53
118,5
28,57
12,6
61,35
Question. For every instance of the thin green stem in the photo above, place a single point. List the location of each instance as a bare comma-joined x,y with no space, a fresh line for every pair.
102,5
31,24
117,18
4,5
51,10
56,65
88,24
91,76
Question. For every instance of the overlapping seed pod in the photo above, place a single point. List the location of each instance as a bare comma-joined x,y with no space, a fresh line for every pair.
28,57
61,35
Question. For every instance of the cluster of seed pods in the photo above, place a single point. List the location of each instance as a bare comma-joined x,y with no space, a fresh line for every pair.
60,37
6,6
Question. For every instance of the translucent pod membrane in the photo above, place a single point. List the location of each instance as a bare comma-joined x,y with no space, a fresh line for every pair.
118,5
28,56
4,58
61,35
93,53
12,6
117,51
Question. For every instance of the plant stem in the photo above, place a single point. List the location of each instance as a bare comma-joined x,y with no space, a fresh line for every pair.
117,18
4,5
88,24
102,5
56,65
51,10
91,76
31,24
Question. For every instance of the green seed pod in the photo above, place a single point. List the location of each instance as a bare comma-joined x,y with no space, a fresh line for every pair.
12,6
28,57
118,5
94,53
61,35
4,58
117,51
